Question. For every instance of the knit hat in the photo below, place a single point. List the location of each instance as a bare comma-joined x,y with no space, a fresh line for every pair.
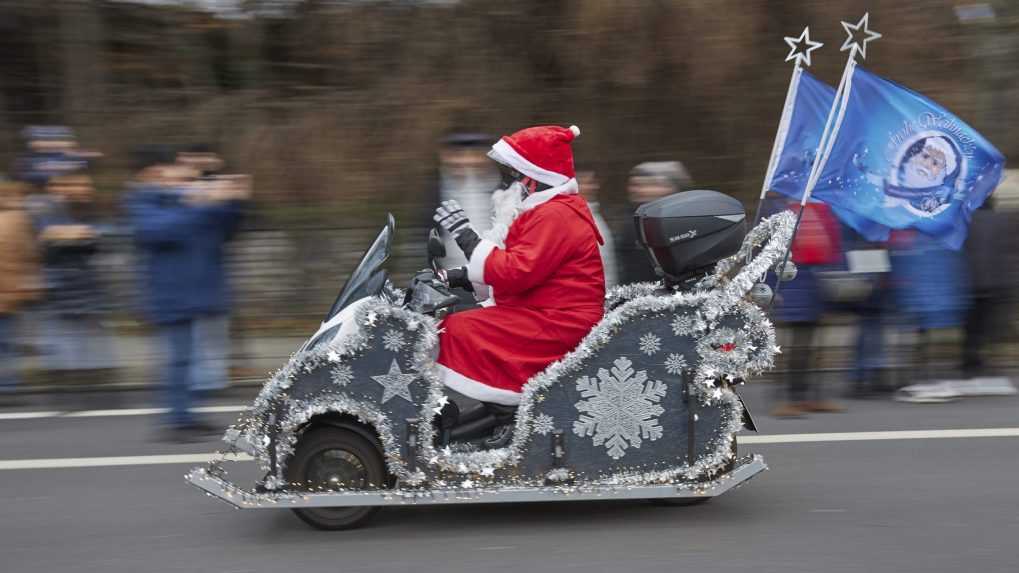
542,153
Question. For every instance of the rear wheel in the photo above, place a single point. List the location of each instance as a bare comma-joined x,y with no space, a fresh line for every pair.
336,458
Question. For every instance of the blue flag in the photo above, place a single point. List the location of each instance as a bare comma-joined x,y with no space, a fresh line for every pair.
904,161
799,137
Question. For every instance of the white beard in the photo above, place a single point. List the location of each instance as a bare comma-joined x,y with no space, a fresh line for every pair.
916,177
507,204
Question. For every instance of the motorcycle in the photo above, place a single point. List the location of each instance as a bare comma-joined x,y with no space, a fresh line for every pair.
644,408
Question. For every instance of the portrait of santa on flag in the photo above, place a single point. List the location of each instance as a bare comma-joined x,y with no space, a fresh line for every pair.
539,264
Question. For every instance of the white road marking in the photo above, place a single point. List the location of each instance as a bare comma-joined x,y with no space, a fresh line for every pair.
64,463
27,415
114,413
876,436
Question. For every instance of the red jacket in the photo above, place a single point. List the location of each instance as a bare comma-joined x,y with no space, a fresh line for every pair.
548,286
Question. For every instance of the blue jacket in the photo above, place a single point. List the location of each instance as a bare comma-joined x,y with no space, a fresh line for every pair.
932,283
801,299
182,269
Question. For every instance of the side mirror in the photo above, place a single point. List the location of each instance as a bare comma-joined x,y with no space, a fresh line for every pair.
436,248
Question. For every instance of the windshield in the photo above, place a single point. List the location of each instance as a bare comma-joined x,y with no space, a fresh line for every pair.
368,278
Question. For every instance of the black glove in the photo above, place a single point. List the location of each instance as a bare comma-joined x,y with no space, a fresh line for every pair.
456,278
451,217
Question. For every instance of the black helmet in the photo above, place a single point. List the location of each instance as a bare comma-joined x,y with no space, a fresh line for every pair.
686,233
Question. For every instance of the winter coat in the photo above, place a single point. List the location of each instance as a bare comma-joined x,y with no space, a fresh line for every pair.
635,263
801,298
183,272
990,253
71,276
549,291
20,273
930,280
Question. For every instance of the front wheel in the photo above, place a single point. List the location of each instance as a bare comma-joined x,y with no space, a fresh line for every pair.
335,458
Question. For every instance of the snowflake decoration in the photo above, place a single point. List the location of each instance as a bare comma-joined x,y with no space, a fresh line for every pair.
650,344
342,375
675,364
393,341
685,323
620,408
543,424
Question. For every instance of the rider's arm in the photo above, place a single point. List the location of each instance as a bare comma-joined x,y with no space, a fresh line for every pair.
542,247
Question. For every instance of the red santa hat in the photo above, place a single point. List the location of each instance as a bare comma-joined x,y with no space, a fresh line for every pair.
542,153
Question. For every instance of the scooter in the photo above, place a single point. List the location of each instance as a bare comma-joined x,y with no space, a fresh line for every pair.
644,408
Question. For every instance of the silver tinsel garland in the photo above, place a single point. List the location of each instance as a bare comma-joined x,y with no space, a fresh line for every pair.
727,356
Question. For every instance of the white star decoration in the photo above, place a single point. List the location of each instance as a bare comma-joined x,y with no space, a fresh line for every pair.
395,383
800,48
442,402
866,34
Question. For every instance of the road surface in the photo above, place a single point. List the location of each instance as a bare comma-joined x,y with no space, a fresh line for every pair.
883,487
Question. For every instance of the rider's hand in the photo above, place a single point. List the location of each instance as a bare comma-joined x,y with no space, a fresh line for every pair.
456,278
451,217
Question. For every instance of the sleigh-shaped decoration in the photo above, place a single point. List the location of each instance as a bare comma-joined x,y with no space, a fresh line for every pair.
643,408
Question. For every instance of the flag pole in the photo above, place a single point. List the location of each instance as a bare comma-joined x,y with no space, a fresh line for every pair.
780,136
799,52
831,128
832,125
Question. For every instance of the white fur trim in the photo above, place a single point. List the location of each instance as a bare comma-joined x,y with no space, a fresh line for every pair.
504,153
569,187
476,266
477,390
575,130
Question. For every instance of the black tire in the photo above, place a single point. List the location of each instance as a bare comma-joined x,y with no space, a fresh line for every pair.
335,456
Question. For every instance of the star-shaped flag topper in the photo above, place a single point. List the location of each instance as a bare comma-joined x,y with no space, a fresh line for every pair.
800,48
858,38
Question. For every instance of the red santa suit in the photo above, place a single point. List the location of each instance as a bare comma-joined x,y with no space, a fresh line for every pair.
547,280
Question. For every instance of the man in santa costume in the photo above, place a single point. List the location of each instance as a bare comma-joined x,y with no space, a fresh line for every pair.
540,264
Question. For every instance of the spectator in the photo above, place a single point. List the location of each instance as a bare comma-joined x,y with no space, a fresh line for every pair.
20,281
801,307
589,188
931,292
648,181
210,369
990,283
867,296
181,225
75,304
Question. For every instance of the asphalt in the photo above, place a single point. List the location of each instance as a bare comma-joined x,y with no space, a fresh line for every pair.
925,505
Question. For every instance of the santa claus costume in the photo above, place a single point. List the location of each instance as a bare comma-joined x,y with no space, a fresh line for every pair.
542,266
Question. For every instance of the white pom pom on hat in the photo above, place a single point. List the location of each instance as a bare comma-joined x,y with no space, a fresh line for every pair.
575,130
